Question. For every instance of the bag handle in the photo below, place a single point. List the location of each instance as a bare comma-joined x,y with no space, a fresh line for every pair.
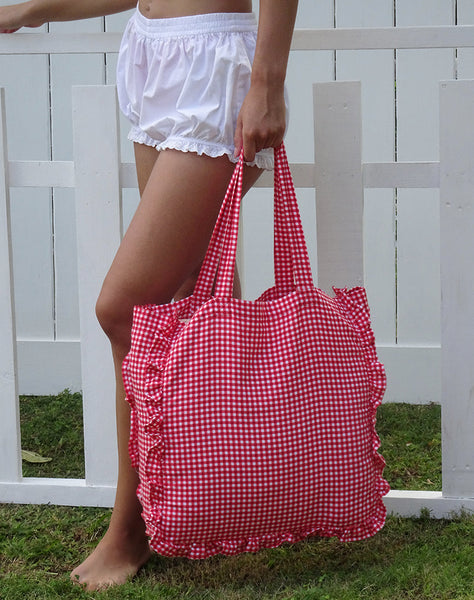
292,266
291,262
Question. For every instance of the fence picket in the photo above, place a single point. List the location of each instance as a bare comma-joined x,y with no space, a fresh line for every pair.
98,223
418,74
338,182
457,285
376,73
465,56
10,465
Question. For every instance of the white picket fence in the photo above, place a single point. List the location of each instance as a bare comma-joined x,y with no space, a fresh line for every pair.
345,181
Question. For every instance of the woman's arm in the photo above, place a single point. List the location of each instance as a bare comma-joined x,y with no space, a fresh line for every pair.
37,12
262,119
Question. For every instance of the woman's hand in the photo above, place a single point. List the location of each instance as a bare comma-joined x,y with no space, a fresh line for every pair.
13,17
262,120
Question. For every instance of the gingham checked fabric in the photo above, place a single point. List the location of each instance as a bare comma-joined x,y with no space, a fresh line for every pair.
253,423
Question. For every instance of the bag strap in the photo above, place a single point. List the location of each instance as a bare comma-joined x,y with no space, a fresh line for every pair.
291,262
207,274
292,266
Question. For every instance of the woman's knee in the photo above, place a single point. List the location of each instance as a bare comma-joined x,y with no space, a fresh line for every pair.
115,315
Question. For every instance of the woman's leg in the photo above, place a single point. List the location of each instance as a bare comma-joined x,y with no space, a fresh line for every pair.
162,248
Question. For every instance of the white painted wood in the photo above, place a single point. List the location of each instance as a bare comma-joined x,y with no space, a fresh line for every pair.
338,179
130,194
31,222
379,38
66,307
418,73
418,296
303,175
410,503
115,24
457,285
465,56
66,492
375,175
413,373
31,217
304,69
257,265
98,224
375,72
49,367
41,173
10,465
66,71
401,175
59,43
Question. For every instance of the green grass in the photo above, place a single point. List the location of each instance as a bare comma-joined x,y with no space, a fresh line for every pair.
52,427
411,445
419,559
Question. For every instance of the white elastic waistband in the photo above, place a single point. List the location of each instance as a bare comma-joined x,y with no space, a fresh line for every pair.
196,24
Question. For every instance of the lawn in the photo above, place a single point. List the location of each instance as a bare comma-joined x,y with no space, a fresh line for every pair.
419,559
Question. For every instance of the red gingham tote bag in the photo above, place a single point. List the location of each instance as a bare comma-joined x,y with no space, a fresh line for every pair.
253,423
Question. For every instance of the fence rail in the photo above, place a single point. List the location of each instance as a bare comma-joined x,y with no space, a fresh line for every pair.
373,38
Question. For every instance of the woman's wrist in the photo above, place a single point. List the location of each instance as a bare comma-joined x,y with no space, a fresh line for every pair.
272,79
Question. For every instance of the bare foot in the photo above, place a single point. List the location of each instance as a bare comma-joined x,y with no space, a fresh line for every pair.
116,559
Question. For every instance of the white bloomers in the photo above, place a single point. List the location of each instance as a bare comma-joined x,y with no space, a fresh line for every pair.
181,81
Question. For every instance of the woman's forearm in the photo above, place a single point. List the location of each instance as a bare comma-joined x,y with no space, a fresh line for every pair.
275,30
37,12
262,119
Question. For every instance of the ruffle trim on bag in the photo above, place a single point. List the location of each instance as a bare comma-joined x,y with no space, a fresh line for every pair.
151,464
146,443
254,544
355,308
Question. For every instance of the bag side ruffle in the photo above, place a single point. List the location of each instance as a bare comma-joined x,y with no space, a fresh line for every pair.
154,328
354,305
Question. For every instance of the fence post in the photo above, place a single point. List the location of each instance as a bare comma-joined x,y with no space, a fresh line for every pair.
338,182
98,214
10,450
457,285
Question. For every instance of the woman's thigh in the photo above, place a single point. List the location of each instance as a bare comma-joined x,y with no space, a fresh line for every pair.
170,231
145,159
